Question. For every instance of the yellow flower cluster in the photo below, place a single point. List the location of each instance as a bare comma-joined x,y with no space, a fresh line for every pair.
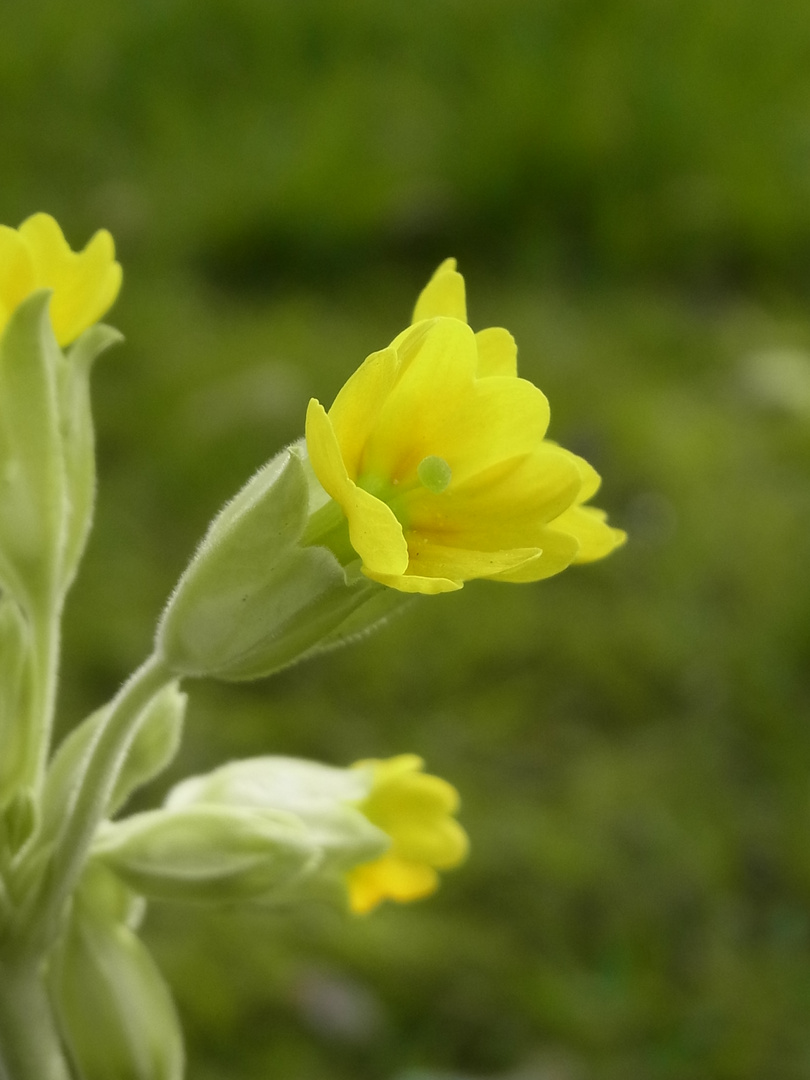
436,452
37,256
415,810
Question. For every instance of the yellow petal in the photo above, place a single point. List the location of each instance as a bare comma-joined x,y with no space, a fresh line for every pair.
591,480
84,284
557,551
443,295
492,420
384,770
438,372
438,408
356,409
460,564
414,809
374,531
590,529
16,272
416,583
497,352
502,507
324,452
389,878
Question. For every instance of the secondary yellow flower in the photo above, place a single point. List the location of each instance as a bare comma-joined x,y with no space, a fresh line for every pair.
37,256
383,828
415,810
435,450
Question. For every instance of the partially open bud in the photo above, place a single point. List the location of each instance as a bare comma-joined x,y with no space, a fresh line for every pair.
259,594
384,827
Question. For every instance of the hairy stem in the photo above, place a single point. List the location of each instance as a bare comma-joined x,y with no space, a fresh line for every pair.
104,763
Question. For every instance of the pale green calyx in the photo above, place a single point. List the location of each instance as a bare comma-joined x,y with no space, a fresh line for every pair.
255,597
47,469
323,798
205,853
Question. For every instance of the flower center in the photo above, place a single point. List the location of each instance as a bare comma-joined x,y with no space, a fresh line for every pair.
434,473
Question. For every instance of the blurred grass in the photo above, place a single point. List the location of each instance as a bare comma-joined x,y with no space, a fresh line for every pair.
627,185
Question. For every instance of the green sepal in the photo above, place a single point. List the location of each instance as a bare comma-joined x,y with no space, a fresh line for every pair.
32,473
78,440
15,673
156,741
207,854
115,1011
254,599
323,797
376,608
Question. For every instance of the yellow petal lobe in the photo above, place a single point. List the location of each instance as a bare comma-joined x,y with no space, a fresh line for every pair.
374,531
444,294
84,284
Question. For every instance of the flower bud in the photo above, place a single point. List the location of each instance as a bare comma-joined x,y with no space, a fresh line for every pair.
115,1010
156,741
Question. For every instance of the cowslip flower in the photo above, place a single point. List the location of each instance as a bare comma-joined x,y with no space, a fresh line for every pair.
37,256
435,451
384,828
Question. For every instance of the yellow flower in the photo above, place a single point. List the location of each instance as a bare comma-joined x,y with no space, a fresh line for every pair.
435,450
37,256
415,810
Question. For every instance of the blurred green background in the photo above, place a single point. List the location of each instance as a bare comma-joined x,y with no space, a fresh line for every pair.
627,186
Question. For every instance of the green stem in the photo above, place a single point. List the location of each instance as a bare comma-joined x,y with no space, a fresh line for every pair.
30,1047
115,736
